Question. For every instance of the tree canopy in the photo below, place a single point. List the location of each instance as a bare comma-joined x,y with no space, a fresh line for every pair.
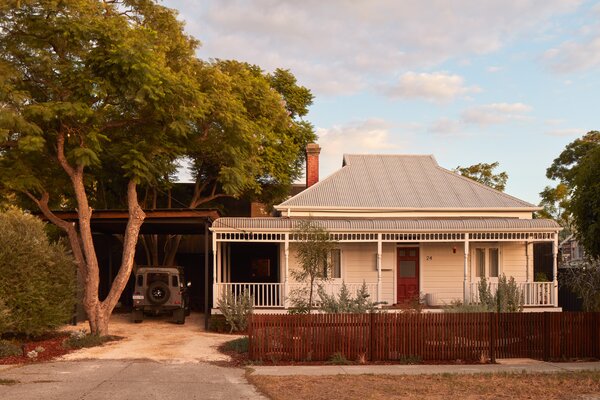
573,169
585,202
484,173
101,98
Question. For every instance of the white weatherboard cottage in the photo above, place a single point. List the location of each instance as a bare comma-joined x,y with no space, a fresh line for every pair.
403,224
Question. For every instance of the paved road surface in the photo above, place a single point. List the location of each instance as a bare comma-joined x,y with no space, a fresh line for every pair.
124,379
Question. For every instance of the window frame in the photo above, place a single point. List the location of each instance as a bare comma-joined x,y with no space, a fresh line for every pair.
475,268
330,271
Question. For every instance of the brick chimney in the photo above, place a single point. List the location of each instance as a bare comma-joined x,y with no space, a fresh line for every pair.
312,164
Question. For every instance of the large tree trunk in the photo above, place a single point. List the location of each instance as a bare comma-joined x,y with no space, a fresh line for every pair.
104,309
83,245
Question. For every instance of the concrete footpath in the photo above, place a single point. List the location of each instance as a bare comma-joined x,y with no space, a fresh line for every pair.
123,379
503,366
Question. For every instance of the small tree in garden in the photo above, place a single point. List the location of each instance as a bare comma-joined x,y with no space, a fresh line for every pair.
344,302
508,297
37,285
313,249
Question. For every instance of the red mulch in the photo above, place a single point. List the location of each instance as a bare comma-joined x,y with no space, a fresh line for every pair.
53,347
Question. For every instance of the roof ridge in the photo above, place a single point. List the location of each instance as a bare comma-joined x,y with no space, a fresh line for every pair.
495,191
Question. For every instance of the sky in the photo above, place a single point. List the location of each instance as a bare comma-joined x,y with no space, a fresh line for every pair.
467,81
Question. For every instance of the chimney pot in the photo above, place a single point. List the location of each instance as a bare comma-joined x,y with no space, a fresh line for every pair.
312,164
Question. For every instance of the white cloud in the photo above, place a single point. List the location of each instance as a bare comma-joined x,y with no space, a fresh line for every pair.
493,69
574,56
359,43
496,113
566,132
438,86
445,126
366,136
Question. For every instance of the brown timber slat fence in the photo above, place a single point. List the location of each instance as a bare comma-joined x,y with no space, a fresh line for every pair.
429,336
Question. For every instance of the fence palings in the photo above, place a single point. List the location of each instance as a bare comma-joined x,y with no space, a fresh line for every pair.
429,336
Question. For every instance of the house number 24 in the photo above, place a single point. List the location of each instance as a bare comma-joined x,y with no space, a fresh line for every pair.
429,258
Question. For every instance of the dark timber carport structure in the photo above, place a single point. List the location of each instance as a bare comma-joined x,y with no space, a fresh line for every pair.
157,222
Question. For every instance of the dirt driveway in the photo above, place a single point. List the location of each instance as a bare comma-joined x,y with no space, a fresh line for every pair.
156,339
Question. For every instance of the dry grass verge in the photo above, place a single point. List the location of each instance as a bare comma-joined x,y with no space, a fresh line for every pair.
570,385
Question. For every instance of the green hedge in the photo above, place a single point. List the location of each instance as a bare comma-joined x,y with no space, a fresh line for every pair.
38,279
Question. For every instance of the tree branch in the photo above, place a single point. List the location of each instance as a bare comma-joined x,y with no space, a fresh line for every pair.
60,150
68,227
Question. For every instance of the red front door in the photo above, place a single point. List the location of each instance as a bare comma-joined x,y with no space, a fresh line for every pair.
408,274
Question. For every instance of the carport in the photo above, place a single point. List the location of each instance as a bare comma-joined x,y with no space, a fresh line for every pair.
194,251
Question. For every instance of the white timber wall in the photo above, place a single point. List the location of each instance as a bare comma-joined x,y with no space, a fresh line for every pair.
442,271
359,264
513,261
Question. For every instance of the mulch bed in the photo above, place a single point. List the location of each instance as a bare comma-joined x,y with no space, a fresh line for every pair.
53,347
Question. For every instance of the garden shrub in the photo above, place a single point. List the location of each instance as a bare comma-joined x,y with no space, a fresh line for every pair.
338,359
344,302
38,277
81,339
236,310
508,298
8,349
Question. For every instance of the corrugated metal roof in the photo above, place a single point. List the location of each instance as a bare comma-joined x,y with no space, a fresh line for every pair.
391,225
399,182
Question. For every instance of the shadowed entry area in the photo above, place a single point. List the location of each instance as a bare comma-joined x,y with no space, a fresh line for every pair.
184,233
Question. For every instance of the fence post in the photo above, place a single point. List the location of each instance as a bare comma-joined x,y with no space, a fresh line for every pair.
371,336
250,347
547,336
493,333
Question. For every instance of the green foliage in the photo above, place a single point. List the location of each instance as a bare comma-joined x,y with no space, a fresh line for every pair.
9,349
459,307
508,297
584,281
313,249
115,79
38,277
585,202
345,302
566,169
236,310
239,345
338,359
555,203
484,173
251,142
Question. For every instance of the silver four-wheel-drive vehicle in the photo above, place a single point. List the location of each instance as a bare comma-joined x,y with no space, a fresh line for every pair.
160,290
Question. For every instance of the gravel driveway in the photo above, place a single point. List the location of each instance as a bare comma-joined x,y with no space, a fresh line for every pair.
156,339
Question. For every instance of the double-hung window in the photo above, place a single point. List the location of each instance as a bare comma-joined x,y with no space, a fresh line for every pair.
334,261
487,262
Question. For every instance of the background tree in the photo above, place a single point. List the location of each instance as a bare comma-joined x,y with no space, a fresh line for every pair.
584,281
555,202
313,251
569,168
484,173
38,277
85,87
251,141
585,202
